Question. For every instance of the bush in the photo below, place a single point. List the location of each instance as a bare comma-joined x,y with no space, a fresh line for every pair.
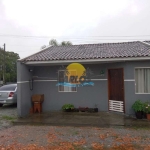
137,106
146,108
67,106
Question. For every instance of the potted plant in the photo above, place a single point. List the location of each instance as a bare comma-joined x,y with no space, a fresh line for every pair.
138,108
68,107
147,111
145,104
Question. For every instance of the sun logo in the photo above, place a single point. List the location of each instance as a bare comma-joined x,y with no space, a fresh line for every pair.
76,73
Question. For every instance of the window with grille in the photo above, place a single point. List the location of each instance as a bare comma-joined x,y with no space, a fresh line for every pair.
64,84
142,80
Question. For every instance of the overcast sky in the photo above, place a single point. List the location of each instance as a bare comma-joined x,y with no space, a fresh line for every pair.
26,25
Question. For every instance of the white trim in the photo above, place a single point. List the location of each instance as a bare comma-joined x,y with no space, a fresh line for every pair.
57,80
129,80
91,80
66,91
37,81
142,93
106,60
22,81
45,80
99,79
141,67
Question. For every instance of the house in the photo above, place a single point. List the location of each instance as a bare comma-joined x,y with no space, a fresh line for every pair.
109,75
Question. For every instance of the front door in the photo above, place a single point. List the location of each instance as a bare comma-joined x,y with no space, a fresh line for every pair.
116,90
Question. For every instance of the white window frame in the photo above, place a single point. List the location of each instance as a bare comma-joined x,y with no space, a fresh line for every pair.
58,85
135,79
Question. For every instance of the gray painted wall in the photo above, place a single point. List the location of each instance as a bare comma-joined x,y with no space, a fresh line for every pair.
85,96
23,90
130,96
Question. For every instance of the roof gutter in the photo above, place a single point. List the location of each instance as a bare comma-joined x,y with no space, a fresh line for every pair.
105,60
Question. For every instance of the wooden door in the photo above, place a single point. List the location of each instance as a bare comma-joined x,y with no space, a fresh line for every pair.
116,90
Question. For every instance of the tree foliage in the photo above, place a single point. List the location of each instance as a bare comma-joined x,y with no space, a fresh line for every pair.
54,42
65,43
10,65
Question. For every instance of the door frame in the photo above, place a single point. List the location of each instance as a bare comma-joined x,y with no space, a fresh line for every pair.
108,76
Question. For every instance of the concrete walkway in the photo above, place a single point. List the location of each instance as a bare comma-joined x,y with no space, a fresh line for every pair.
100,119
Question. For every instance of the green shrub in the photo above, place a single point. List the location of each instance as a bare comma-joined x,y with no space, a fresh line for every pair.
137,106
67,106
146,107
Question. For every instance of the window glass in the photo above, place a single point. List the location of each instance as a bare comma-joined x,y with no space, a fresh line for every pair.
8,87
142,80
63,81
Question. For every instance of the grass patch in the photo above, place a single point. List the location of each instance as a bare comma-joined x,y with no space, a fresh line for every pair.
138,127
141,128
8,118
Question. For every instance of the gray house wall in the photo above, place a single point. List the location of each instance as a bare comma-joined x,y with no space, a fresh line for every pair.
85,96
23,90
130,95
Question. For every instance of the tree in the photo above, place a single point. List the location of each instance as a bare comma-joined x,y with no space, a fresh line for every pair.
54,42
10,65
66,43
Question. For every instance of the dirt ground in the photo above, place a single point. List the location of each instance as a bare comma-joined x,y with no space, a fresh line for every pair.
35,137
74,138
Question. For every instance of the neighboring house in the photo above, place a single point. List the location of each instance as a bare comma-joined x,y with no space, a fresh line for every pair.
85,75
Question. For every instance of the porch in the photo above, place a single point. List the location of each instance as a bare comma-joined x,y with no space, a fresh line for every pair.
100,119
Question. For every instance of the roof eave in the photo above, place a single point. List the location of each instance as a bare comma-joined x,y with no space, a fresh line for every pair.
104,60
22,59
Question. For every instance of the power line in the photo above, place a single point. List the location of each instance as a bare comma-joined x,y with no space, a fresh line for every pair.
24,45
74,37
93,40
79,42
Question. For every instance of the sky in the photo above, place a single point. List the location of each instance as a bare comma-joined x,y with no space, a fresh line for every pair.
27,25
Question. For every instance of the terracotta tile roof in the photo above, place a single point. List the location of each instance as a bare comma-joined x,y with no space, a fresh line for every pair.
92,51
